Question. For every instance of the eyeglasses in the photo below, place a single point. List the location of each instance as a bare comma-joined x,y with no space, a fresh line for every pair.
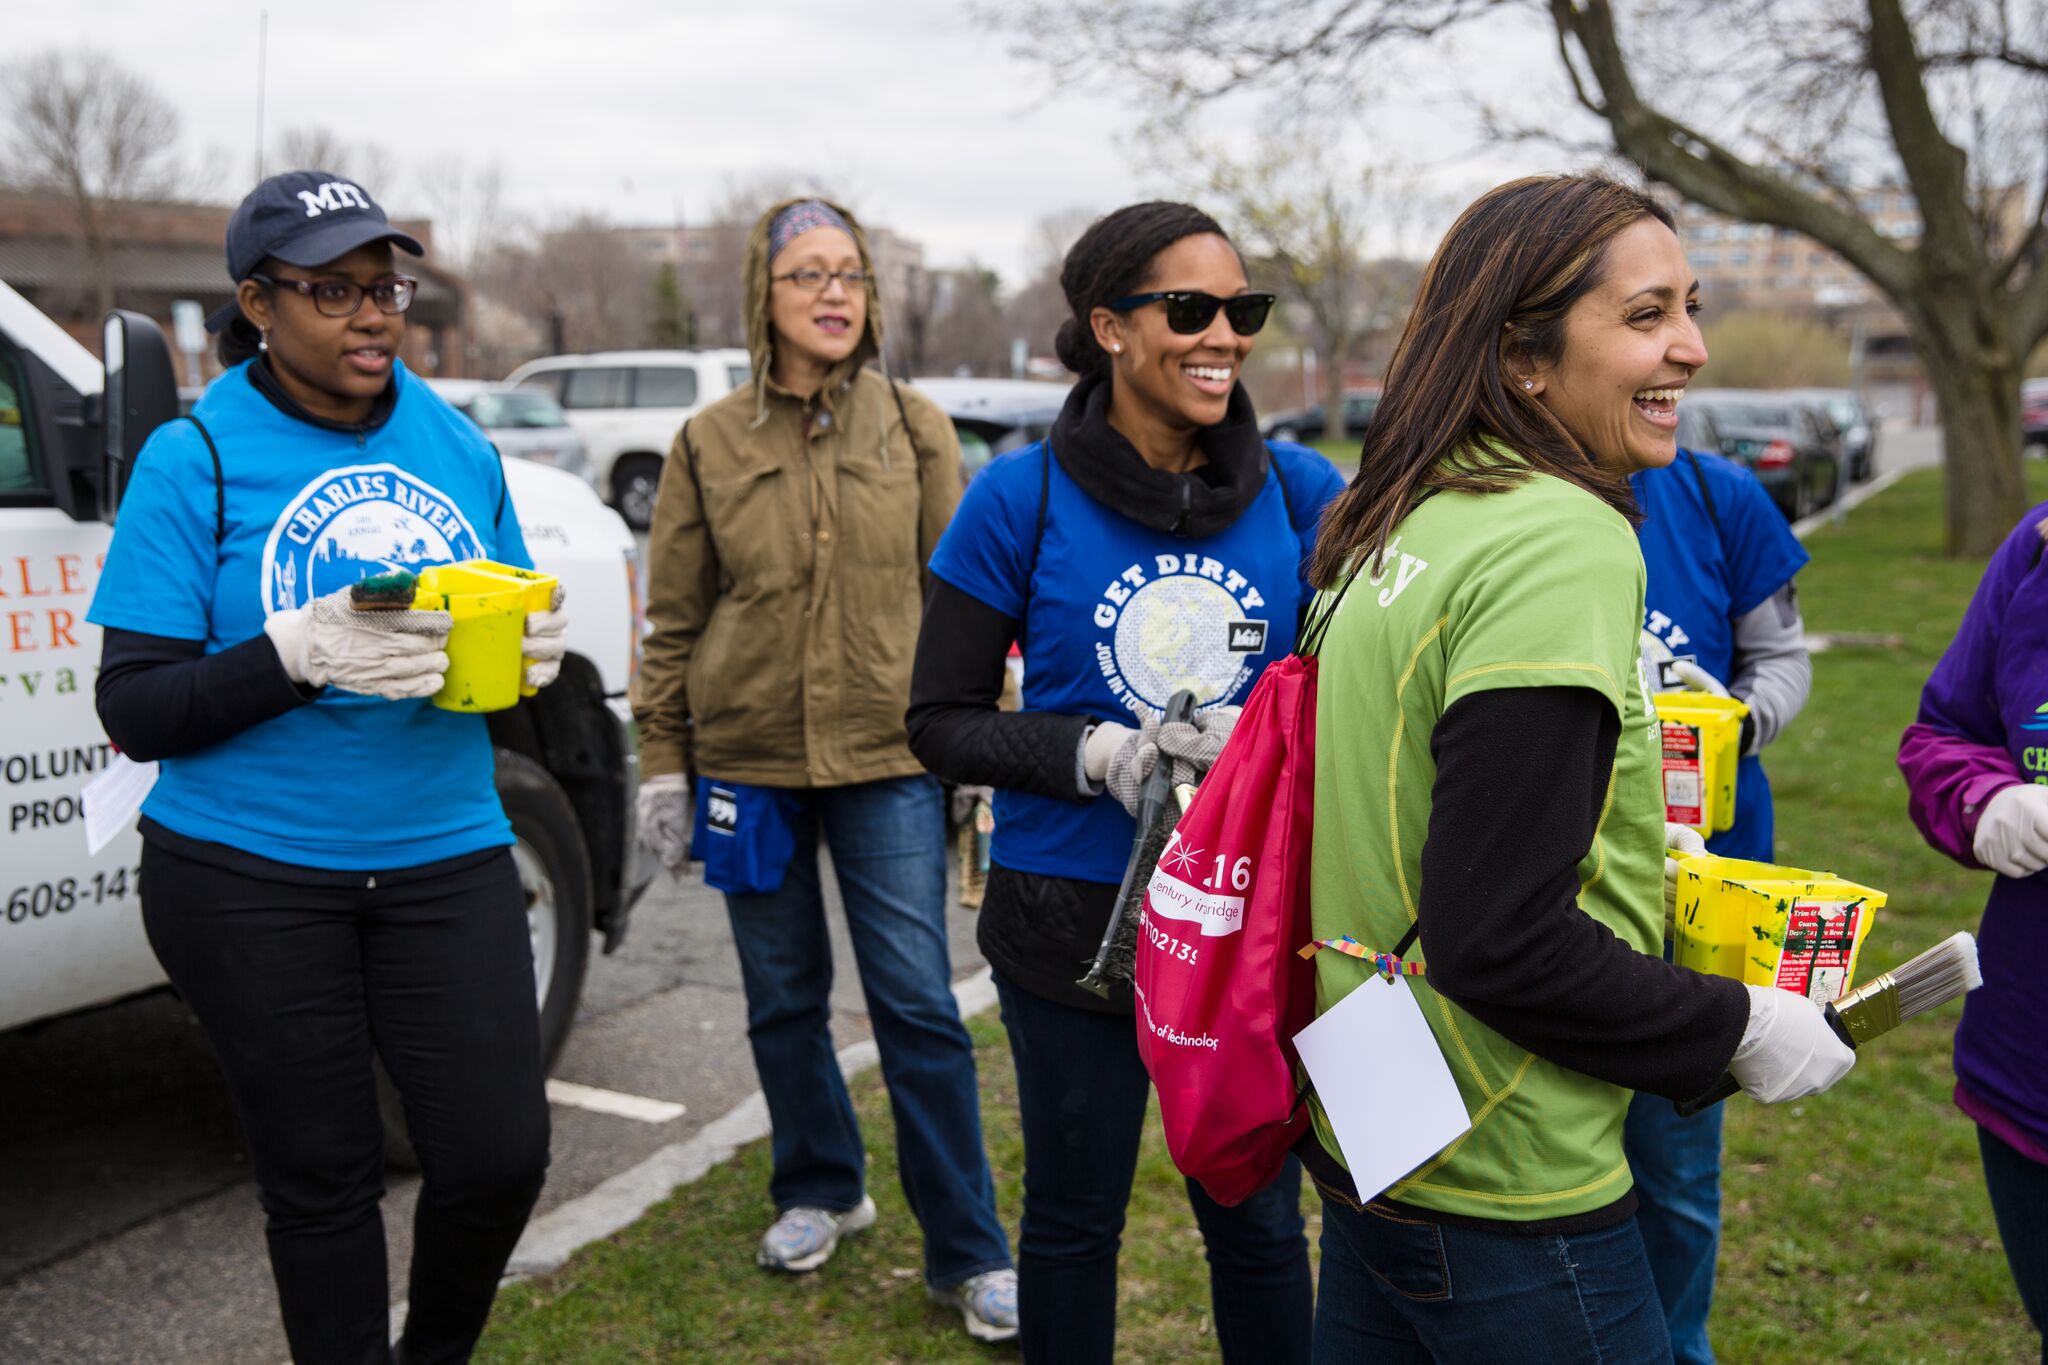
342,298
814,281
1190,311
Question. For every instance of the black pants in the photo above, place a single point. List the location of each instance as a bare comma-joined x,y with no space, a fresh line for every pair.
296,984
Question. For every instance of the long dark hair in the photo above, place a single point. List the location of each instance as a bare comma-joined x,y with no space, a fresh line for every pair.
1112,259
1492,301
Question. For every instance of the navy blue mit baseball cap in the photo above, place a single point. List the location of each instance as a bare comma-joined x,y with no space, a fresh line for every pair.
303,218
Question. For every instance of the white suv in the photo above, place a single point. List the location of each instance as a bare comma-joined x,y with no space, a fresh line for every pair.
627,407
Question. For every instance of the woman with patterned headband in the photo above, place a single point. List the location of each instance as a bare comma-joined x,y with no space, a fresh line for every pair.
785,570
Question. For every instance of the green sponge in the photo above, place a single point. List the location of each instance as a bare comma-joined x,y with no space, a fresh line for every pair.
384,592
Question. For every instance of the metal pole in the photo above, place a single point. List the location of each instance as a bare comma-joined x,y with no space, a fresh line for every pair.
262,66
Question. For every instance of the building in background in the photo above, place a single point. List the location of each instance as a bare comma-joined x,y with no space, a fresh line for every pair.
166,252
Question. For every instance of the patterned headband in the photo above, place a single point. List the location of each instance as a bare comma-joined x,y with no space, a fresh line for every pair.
798,219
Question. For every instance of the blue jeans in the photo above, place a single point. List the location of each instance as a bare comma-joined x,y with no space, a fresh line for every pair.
1083,1091
1677,1166
888,842
2019,1201
1397,1290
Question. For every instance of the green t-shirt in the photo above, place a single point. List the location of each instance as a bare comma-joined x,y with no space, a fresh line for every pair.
1539,586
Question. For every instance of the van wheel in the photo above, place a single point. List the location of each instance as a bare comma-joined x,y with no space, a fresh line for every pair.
554,873
635,480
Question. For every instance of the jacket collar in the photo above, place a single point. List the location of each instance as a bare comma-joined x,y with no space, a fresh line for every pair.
264,381
1109,469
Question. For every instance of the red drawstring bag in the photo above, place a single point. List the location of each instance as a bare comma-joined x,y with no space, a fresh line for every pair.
1221,988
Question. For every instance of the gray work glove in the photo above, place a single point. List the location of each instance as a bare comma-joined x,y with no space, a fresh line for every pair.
544,640
391,654
1099,747
1191,746
664,816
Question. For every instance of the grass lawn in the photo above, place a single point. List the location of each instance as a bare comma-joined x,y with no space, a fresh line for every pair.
1856,1226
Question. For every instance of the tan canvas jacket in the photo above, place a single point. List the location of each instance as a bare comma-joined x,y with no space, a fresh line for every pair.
785,584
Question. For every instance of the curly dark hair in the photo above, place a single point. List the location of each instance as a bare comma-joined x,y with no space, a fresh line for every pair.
1114,258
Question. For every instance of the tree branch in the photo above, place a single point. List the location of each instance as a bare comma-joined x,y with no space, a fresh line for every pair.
1705,171
1935,167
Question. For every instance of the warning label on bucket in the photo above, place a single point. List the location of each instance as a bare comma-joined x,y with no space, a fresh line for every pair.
1820,948
1684,791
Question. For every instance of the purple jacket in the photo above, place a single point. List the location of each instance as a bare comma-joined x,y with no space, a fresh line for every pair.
1983,726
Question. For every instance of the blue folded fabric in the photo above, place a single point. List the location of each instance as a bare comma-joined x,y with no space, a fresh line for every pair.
744,835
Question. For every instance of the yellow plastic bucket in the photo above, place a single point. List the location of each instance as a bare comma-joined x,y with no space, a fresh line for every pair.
1767,925
1702,747
488,602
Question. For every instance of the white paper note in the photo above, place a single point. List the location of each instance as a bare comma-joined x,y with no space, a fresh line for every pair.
113,799
1383,1083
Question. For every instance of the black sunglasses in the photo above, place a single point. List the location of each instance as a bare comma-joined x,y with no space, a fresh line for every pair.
1189,311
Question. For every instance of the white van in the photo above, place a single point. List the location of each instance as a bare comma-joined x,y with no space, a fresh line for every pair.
70,928
628,406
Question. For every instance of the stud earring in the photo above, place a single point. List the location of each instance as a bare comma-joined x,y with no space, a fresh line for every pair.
1116,348
1528,383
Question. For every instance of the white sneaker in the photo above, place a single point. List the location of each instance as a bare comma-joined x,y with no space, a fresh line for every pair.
804,1238
987,1301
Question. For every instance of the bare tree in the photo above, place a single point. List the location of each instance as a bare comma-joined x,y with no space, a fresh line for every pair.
467,204
1771,110
81,126
581,282
1305,225
322,149
1037,309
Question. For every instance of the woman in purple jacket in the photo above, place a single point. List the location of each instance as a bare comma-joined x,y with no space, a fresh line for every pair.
1976,766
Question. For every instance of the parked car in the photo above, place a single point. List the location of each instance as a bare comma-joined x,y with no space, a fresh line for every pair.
1852,422
995,416
1791,447
1696,429
2034,417
70,937
628,405
1307,424
524,423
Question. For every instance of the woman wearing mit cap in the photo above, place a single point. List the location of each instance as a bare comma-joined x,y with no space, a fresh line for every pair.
784,568
326,869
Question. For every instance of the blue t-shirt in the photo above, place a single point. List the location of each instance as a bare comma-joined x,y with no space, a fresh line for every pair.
1701,579
349,782
1115,618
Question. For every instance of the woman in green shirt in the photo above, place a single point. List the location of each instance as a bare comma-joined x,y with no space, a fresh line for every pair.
1486,773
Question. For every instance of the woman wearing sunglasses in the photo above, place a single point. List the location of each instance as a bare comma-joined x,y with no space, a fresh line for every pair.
327,875
1152,543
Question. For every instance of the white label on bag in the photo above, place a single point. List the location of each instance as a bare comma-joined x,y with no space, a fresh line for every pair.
1168,897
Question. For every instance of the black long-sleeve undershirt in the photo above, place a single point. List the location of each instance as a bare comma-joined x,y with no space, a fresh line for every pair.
956,730
162,697
1522,777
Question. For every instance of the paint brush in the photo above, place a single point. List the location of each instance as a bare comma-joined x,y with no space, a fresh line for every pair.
1945,972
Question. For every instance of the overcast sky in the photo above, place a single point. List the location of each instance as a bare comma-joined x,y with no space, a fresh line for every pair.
647,110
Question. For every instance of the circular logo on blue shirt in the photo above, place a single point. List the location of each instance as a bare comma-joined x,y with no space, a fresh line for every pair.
351,523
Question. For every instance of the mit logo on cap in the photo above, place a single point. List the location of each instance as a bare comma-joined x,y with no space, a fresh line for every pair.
335,194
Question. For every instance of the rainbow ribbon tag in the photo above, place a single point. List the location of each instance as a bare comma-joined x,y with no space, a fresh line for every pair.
1386,964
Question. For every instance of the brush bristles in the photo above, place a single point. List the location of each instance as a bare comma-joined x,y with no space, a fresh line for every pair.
1941,974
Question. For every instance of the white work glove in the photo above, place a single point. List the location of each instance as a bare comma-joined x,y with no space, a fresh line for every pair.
544,640
663,811
1659,660
1788,1051
390,654
1100,747
1695,678
1683,839
2012,833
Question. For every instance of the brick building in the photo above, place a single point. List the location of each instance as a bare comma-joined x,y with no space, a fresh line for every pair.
164,252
